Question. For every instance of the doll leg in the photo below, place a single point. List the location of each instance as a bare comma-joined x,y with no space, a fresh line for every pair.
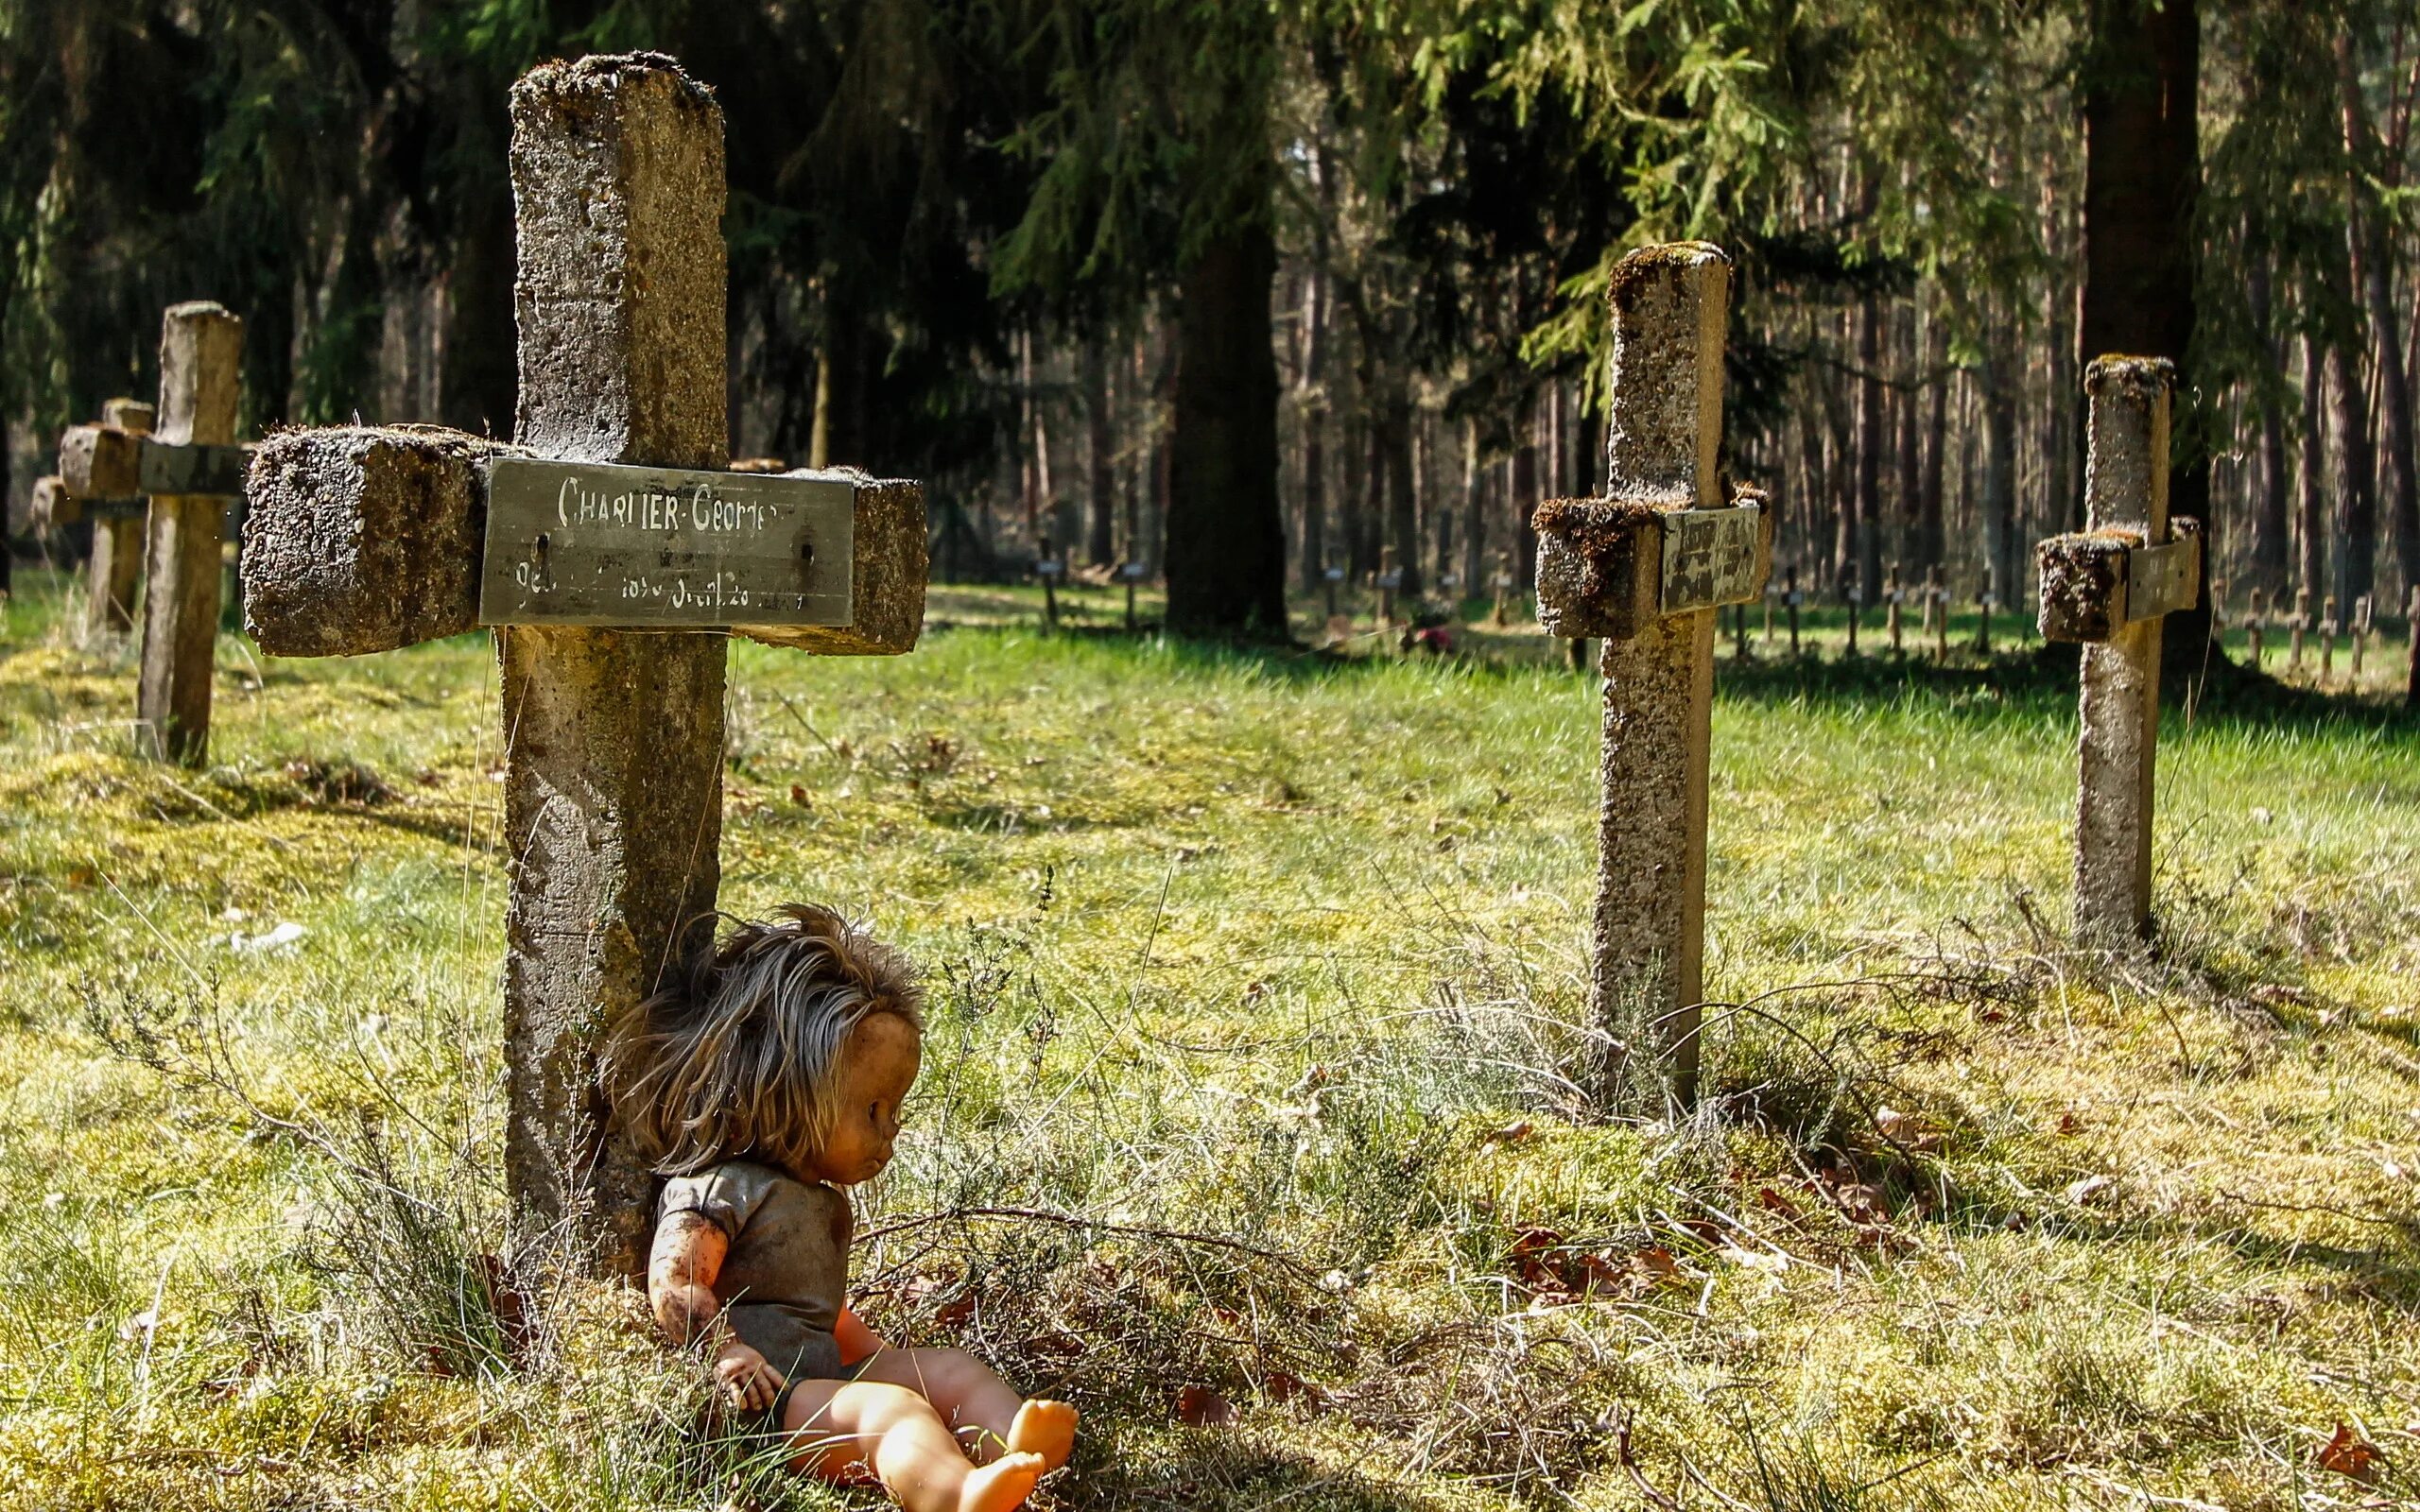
840,1428
990,1418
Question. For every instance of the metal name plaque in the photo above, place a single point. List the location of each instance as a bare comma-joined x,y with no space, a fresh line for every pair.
1709,557
655,548
194,471
2163,579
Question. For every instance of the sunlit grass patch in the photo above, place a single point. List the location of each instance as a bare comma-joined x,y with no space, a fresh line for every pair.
1256,977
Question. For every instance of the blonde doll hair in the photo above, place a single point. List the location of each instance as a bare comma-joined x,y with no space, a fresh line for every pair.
743,1060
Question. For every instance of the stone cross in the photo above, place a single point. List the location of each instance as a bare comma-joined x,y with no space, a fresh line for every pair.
613,552
115,567
1648,566
2109,587
1892,594
2253,623
189,469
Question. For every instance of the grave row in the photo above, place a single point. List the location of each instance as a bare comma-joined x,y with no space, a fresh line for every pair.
613,550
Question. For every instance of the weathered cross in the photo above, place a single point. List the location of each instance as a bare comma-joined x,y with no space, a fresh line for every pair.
1646,566
189,470
114,566
2109,588
607,530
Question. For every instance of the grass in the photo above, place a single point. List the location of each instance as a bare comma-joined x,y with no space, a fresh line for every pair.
1254,975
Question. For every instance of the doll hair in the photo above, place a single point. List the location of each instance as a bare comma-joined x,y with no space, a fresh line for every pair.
741,1060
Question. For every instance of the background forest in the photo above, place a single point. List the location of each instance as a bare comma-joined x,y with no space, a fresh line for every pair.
1026,250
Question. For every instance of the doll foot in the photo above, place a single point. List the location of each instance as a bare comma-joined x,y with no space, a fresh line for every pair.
1045,1428
1002,1485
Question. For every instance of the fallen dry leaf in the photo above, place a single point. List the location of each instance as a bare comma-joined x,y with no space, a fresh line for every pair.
1202,1407
2349,1454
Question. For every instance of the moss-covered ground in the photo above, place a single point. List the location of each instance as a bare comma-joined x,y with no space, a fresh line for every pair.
1248,1122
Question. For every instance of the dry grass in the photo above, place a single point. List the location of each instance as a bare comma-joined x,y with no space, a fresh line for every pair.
1255,979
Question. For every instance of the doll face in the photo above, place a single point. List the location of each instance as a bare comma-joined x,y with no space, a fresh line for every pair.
878,1066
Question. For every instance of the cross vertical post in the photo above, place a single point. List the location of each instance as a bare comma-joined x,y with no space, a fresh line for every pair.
2254,622
1648,566
2109,588
612,551
614,738
1892,594
202,354
115,569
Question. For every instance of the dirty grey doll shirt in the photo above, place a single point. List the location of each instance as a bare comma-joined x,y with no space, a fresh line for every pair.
788,1265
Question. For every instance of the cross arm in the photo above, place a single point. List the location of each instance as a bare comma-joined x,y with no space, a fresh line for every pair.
2097,582
364,538
1610,567
887,575
110,462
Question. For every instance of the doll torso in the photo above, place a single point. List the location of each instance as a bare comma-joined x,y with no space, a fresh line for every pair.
788,1265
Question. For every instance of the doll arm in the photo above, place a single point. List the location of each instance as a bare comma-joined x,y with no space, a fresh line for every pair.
856,1341
681,1272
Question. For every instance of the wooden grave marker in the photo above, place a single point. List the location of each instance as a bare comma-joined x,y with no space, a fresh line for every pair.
2109,588
188,466
1648,566
610,520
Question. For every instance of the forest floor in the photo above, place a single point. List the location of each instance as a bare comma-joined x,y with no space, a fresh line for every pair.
1253,977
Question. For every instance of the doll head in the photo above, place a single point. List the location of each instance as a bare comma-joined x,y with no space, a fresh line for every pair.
792,1044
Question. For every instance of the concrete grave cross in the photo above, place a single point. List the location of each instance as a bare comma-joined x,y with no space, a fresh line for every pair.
188,468
2108,587
114,566
613,551
1646,566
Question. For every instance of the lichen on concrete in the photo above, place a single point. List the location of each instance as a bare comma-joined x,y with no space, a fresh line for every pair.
364,538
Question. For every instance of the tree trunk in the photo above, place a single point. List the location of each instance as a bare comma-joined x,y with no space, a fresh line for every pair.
2356,473
1403,500
2372,256
1870,432
2142,180
2270,526
1100,437
1314,405
1226,546
1909,471
1999,467
1474,514
1930,536
1525,499
2310,572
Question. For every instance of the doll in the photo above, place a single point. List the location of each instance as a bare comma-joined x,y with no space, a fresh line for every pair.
763,1088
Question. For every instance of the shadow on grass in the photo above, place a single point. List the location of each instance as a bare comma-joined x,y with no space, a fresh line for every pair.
2030,682
1224,1470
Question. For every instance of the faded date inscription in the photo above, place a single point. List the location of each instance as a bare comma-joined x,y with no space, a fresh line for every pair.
662,548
